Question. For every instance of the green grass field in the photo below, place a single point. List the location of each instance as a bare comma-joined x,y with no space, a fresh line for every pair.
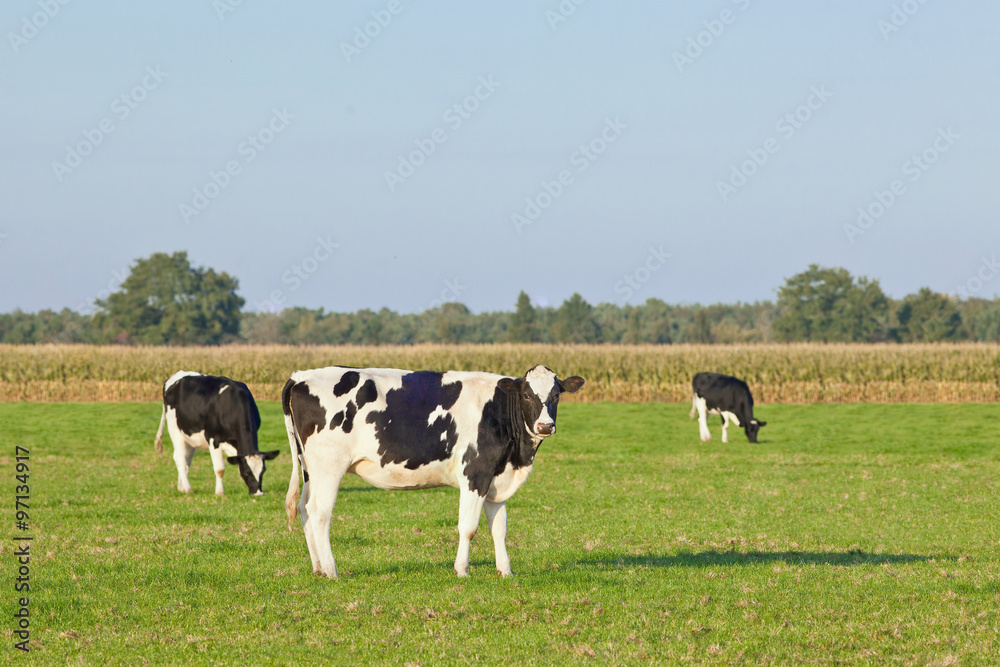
851,534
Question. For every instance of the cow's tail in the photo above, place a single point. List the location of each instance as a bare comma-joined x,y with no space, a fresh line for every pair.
292,497
694,408
158,442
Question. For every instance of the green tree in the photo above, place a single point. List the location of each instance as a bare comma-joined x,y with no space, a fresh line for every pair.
822,304
164,300
988,324
523,326
701,329
575,322
928,317
452,322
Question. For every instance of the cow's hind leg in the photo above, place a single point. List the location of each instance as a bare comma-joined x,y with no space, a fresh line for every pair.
219,463
318,498
496,517
725,427
183,453
307,525
470,508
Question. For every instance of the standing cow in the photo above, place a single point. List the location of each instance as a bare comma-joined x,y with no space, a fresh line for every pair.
727,396
399,429
217,414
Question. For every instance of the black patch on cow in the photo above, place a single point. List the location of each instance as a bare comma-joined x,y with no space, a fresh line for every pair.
347,382
349,417
230,416
502,438
305,476
367,393
337,420
403,434
310,415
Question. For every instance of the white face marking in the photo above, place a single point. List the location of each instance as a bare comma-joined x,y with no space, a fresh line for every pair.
541,381
223,388
256,464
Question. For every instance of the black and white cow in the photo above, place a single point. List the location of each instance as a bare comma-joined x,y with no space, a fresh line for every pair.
727,396
217,414
399,429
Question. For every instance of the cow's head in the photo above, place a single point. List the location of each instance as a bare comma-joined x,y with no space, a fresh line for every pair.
538,392
752,427
252,469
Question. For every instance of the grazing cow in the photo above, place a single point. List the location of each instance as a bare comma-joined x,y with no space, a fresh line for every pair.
217,414
398,429
727,396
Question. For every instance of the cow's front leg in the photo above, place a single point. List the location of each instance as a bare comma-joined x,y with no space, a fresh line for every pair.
496,517
705,434
470,507
183,453
219,463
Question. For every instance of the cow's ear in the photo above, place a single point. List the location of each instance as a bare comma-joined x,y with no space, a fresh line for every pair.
759,424
267,456
233,459
571,384
509,385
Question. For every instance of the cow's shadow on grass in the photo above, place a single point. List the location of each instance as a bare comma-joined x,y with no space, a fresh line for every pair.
688,559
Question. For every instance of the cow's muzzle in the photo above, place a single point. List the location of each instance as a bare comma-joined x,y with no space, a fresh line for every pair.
545,428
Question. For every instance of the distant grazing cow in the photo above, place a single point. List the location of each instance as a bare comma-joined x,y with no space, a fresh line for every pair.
727,396
399,429
217,414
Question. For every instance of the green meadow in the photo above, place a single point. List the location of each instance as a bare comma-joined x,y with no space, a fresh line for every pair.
852,533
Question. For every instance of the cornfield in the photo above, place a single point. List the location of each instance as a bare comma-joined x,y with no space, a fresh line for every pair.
801,373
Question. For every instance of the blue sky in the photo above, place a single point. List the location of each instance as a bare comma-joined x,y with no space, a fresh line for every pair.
693,152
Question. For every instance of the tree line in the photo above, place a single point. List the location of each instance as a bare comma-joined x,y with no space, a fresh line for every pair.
166,301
